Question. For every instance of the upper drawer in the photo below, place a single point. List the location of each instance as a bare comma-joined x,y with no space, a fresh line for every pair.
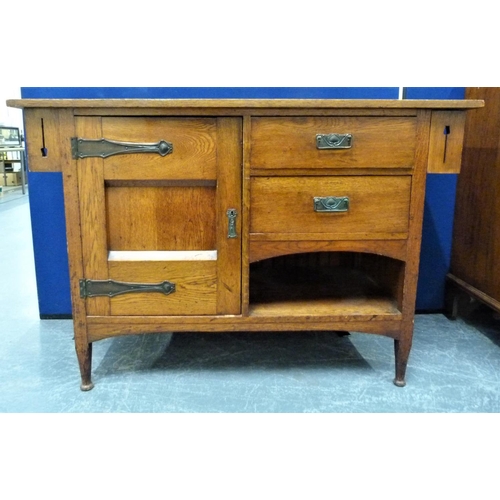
193,143
376,142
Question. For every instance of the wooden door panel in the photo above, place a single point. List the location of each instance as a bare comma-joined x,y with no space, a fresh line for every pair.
161,218
148,219
194,154
195,287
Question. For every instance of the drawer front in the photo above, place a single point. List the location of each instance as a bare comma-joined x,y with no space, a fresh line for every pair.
339,207
193,143
375,142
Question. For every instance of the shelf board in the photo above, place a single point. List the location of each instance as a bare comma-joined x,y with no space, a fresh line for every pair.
336,309
310,291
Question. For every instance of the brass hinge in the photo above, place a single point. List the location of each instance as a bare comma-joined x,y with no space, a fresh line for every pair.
110,288
102,148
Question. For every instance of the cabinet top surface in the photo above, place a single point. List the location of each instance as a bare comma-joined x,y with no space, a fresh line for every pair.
249,103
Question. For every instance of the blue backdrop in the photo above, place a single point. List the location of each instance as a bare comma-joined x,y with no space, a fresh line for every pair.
47,205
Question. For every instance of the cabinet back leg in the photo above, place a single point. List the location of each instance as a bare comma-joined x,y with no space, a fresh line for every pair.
451,301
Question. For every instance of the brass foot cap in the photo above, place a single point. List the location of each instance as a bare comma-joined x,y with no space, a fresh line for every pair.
87,387
399,383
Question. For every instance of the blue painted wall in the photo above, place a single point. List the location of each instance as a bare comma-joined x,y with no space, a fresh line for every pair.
47,208
49,243
210,92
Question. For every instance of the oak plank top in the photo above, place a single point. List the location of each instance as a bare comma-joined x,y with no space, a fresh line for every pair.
250,103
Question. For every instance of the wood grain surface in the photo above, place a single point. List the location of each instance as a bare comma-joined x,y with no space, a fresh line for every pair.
291,142
145,218
378,207
248,103
195,288
475,258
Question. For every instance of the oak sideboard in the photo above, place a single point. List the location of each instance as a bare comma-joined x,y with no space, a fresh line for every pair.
243,215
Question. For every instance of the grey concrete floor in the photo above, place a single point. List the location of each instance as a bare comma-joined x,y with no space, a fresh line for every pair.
454,365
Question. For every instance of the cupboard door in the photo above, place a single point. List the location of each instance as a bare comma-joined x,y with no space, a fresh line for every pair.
160,215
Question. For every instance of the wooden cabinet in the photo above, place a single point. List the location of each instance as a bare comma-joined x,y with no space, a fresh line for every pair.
475,258
243,215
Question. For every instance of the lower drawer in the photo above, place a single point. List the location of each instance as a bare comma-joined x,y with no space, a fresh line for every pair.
339,207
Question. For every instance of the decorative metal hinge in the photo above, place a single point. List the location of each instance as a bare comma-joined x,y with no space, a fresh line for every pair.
102,148
333,141
331,203
110,288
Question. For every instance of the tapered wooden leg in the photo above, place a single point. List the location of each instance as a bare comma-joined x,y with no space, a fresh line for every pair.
402,352
84,354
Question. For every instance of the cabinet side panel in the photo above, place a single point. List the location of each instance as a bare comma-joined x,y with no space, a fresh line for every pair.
446,142
46,138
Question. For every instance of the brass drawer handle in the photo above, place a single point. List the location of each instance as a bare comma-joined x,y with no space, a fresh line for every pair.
331,203
102,148
333,141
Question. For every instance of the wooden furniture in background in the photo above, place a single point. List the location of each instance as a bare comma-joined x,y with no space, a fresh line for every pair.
243,215
475,258
16,156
